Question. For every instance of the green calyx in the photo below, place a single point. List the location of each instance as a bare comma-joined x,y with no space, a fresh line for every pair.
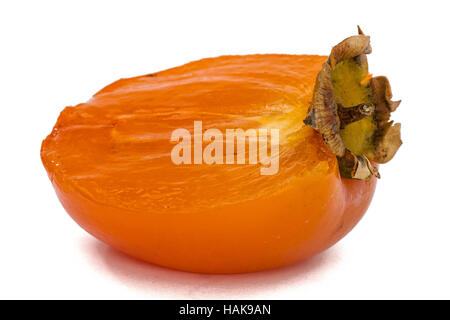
351,110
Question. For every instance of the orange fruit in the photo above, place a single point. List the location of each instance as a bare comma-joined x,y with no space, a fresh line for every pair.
109,160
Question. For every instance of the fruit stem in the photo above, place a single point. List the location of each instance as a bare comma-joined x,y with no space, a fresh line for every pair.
352,114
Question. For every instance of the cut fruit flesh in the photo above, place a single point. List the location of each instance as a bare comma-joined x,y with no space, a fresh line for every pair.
116,147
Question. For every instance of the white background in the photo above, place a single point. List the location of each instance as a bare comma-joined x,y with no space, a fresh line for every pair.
58,53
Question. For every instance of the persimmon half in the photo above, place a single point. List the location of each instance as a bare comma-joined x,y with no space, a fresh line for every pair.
110,159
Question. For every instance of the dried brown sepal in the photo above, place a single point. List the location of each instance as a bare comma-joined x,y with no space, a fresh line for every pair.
382,95
330,118
322,114
350,48
387,144
360,30
356,167
387,139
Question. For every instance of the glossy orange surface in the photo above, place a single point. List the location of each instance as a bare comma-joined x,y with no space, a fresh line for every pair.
109,162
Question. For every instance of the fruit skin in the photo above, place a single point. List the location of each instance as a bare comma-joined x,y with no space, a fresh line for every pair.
225,219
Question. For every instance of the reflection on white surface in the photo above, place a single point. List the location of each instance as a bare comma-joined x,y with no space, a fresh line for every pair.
169,283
